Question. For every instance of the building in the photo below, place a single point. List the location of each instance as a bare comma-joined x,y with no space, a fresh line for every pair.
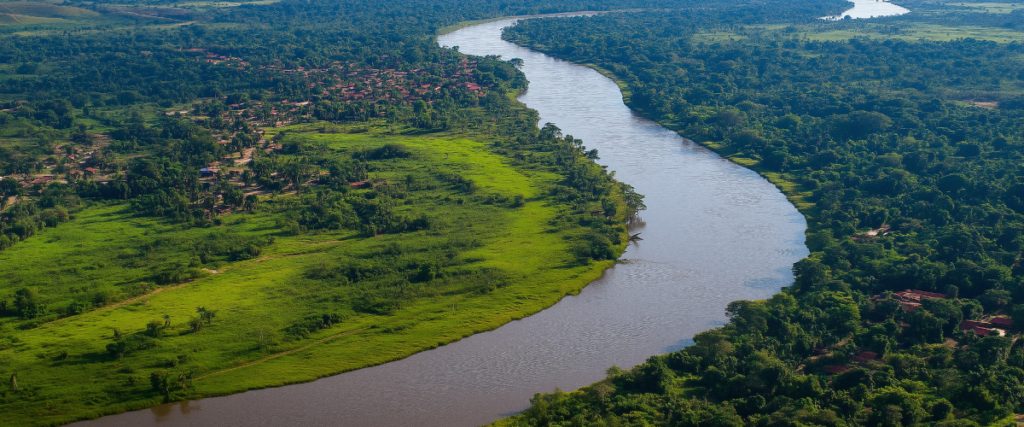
1002,322
910,299
980,328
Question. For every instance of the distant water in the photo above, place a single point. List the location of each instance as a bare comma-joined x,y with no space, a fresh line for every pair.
870,9
715,232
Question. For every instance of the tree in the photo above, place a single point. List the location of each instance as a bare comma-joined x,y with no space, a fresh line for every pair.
894,406
160,383
26,303
154,328
995,299
206,315
860,124
8,187
728,118
250,203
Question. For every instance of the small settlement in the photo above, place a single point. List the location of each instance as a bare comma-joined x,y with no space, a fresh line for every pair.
909,300
347,84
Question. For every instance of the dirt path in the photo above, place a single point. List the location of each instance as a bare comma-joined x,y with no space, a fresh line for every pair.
160,289
283,353
9,203
121,303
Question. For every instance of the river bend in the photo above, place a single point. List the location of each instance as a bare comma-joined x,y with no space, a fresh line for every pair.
715,232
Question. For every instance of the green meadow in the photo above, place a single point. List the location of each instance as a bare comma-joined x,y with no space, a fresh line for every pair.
289,306
905,31
990,7
918,31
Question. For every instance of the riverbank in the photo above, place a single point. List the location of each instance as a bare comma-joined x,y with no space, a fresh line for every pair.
508,264
795,193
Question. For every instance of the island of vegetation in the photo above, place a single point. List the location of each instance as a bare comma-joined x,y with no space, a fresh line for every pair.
203,198
902,141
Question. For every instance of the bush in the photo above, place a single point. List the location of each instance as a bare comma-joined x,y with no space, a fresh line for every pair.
593,247
388,151
311,324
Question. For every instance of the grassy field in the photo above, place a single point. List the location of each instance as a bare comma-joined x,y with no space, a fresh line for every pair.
919,31
500,263
39,18
990,7
842,31
45,10
22,15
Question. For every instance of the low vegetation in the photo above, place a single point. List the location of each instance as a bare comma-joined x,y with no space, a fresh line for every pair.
446,238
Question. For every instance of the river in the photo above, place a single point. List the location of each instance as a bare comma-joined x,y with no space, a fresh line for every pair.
863,9
714,232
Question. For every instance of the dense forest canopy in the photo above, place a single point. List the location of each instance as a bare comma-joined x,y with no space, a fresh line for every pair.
907,155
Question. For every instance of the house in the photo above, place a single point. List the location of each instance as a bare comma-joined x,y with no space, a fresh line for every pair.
1003,322
873,233
917,295
835,369
208,172
908,306
910,299
980,328
865,356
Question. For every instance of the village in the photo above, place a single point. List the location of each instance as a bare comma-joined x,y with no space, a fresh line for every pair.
340,83
347,82
910,300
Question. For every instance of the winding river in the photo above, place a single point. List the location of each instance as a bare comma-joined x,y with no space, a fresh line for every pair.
715,232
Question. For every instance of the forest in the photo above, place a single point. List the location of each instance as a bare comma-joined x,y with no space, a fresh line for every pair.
903,149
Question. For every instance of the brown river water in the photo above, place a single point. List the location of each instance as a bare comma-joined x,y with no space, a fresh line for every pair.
714,232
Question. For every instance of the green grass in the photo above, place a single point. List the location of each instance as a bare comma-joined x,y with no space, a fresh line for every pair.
716,36
44,18
989,7
16,19
842,31
921,31
108,252
45,10
256,299
19,15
